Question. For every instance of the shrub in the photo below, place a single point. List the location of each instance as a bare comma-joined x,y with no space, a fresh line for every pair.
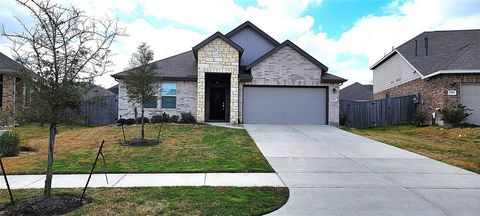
9,142
145,120
121,121
164,117
130,121
174,118
454,115
420,118
187,118
156,119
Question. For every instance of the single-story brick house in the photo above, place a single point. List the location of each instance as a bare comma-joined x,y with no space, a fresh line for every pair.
244,76
357,92
443,66
12,89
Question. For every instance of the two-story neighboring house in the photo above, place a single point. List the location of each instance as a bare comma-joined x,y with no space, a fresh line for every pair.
443,66
244,76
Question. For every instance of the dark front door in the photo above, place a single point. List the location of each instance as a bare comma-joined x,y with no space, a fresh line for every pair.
217,103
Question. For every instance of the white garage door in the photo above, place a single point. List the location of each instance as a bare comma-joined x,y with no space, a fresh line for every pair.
471,99
284,105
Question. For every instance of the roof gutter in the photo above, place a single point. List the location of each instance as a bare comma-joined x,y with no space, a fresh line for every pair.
451,72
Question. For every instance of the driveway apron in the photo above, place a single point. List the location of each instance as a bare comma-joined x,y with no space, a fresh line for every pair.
333,172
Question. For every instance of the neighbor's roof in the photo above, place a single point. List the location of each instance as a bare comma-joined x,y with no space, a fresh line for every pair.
456,50
357,92
114,89
97,91
9,65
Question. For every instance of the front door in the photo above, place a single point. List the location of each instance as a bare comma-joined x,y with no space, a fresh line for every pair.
217,103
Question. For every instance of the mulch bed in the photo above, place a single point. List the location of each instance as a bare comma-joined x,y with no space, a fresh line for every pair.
140,142
58,204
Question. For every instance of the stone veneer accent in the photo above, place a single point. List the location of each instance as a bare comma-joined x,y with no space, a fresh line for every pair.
8,92
186,101
287,67
218,57
433,90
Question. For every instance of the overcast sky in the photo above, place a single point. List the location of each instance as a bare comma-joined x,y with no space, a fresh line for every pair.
346,35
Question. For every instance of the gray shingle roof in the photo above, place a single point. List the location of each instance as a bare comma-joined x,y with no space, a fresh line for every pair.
447,50
357,92
114,89
97,91
330,78
9,65
178,67
184,65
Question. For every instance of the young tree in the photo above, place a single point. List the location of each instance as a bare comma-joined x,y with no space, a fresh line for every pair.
141,81
65,50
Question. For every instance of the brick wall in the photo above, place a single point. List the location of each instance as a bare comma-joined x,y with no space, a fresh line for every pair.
287,67
218,57
186,101
433,90
8,91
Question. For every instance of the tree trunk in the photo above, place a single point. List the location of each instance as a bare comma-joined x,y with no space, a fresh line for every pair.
143,131
47,192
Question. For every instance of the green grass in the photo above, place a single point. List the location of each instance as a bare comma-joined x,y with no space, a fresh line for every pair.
185,148
173,200
458,146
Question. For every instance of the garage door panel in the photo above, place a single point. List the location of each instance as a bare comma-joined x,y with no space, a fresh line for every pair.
471,99
284,105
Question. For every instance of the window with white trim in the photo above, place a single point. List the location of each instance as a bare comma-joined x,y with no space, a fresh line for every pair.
169,95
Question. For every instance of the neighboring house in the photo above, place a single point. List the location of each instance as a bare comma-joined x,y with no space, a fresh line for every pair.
12,89
114,89
443,66
244,76
357,92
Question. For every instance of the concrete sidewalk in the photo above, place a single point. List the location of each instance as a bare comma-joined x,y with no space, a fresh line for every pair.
146,180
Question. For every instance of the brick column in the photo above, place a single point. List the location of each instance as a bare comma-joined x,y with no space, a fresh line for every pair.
8,91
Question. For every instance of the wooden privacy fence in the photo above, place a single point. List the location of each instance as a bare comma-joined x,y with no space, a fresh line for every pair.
100,112
375,113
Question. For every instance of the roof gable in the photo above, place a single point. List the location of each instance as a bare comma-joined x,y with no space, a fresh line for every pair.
248,24
293,46
213,37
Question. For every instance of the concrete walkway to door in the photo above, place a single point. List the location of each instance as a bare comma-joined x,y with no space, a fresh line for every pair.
333,172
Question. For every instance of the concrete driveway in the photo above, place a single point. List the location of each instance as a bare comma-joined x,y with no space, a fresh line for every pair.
333,172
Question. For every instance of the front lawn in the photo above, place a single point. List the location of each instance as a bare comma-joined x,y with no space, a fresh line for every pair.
172,200
458,147
185,148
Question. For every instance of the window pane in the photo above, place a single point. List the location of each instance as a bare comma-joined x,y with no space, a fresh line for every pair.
169,89
150,103
169,102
